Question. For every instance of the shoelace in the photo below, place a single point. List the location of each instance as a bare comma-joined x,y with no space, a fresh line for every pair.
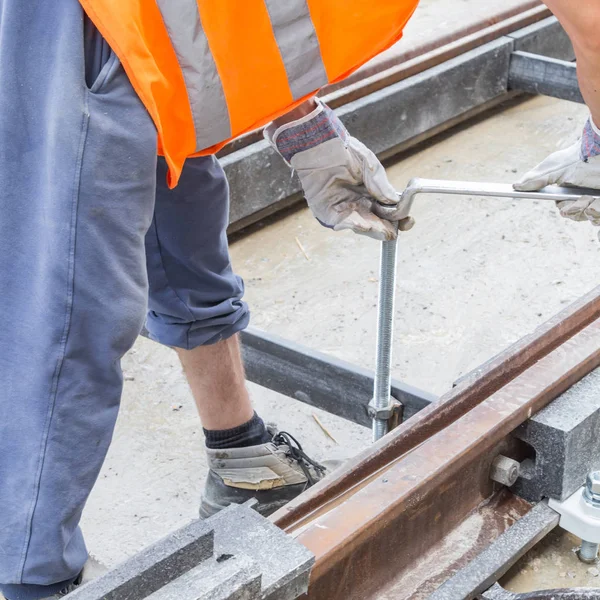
71,587
295,452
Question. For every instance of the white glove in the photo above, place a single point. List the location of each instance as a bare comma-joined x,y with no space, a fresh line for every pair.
344,183
569,167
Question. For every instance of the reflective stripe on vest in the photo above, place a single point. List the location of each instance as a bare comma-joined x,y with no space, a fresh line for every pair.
205,91
298,44
210,70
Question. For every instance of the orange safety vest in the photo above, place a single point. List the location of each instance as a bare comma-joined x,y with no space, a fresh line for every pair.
210,70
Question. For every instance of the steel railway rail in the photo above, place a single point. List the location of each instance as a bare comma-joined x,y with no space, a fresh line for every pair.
378,525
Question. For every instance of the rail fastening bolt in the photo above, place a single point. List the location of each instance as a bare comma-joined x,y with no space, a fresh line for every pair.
505,470
385,333
588,553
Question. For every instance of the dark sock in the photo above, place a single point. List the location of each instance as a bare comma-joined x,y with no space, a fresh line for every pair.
251,433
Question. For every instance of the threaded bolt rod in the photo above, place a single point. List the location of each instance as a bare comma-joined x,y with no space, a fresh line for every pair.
385,333
588,553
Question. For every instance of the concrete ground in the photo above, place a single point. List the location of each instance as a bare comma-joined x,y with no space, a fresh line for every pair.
474,276
552,564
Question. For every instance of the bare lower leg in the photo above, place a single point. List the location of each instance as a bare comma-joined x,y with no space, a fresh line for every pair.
581,20
216,376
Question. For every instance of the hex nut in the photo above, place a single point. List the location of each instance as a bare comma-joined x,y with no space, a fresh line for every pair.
591,494
385,413
505,470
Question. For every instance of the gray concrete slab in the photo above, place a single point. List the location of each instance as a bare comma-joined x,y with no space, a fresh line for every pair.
484,570
238,578
565,438
434,20
154,567
284,563
546,37
234,555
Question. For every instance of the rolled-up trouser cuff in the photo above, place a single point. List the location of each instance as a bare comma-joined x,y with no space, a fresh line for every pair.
33,592
195,297
164,330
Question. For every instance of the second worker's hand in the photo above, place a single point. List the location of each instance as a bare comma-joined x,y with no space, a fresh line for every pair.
576,166
344,183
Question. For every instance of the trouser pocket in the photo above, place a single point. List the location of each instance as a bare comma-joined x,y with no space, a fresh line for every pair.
100,60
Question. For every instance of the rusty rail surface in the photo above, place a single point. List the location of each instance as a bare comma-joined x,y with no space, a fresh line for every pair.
395,503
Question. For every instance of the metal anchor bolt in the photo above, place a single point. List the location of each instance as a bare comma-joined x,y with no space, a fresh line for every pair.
588,553
505,470
385,330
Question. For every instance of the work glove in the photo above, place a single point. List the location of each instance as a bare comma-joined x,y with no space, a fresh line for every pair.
579,166
344,183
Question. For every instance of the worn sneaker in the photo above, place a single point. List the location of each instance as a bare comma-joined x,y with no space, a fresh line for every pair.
70,588
273,473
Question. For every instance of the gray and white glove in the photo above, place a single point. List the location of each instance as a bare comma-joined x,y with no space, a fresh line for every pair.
576,166
344,183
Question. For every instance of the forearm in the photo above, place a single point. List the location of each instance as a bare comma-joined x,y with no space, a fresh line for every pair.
581,21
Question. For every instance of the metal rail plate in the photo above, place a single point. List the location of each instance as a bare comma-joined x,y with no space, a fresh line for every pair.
314,378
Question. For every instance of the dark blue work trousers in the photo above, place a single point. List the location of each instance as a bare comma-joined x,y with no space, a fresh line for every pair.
92,246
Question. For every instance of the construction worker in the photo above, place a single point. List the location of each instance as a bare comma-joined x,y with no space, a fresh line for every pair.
95,243
578,165
91,231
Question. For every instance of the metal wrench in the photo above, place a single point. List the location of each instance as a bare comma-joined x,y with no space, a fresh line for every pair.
383,406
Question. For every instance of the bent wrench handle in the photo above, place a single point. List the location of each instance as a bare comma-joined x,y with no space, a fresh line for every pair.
495,190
